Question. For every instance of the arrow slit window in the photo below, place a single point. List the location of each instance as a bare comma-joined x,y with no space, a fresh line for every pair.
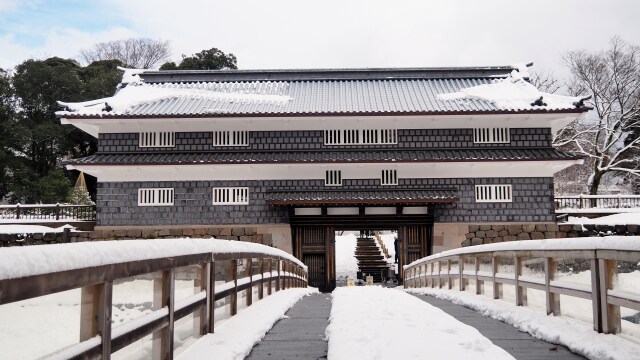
230,138
333,178
231,196
361,137
493,193
155,197
157,139
491,136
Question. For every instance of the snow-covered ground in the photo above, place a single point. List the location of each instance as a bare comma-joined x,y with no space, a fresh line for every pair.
576,335
32,229
632,218
346,262
236,337
373,322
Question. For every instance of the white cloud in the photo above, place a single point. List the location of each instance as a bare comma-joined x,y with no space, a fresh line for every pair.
61,42
377,33
9,5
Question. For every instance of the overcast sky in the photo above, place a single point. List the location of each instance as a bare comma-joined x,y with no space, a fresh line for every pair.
326,34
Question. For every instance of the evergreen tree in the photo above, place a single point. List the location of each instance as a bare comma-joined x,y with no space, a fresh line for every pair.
212,59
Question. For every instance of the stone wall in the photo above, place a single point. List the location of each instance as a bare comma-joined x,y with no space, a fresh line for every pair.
488,234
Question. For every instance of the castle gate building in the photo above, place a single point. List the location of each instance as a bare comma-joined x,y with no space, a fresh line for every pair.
292,156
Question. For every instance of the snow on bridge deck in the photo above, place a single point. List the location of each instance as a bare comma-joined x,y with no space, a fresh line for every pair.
381,323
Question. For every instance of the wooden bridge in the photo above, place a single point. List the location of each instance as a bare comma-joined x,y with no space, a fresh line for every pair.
223,281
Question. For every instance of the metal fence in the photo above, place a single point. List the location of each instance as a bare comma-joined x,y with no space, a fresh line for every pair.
597,201
50,212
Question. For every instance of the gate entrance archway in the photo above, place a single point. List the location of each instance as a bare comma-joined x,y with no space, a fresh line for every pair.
314,240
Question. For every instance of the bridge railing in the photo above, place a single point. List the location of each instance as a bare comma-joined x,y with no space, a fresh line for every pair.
51,212
597,201
266,268
587,268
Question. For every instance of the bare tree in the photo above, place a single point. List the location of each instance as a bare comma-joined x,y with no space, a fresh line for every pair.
612,79
138,53
545,81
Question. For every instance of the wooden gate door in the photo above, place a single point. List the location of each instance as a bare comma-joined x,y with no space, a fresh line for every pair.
414,243
315,246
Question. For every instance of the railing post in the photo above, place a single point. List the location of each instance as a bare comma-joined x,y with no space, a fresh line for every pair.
449,285
595,296
57,211
234,294
476,268
269,288
521,292
611,321
163,288
278,283
461,273
439,272
200,320
249,299
261,288
494,270
95,315
433,281
211,297
17,211
552,299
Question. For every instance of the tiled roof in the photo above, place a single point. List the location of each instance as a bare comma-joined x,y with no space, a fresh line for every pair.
326,157
359,93
413,196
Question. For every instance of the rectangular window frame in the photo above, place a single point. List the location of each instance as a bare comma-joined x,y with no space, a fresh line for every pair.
333,178
156,139
226,138
492,135
389,177
345,137
494,193
156,196
230,195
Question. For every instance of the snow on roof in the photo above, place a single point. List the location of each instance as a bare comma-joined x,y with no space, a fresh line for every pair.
514,92
431,92
22,261
132,91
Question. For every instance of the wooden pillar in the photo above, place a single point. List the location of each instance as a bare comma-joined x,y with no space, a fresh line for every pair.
163,291
476,268
497,288
449,285
95,315
234,293
211,296
595,296
270,277
461,272
611,321
521,291
249,297
552,299
261,288
279,263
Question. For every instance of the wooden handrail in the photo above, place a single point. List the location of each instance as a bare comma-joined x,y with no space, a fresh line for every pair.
98,339
435,270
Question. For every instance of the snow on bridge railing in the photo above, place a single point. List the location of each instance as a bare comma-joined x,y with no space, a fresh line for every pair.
597,201
53,212
30,272
601,270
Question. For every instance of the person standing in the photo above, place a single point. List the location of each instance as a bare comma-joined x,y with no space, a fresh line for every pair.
395,246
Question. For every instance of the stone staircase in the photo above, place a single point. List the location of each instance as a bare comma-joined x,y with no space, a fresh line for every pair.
370,259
